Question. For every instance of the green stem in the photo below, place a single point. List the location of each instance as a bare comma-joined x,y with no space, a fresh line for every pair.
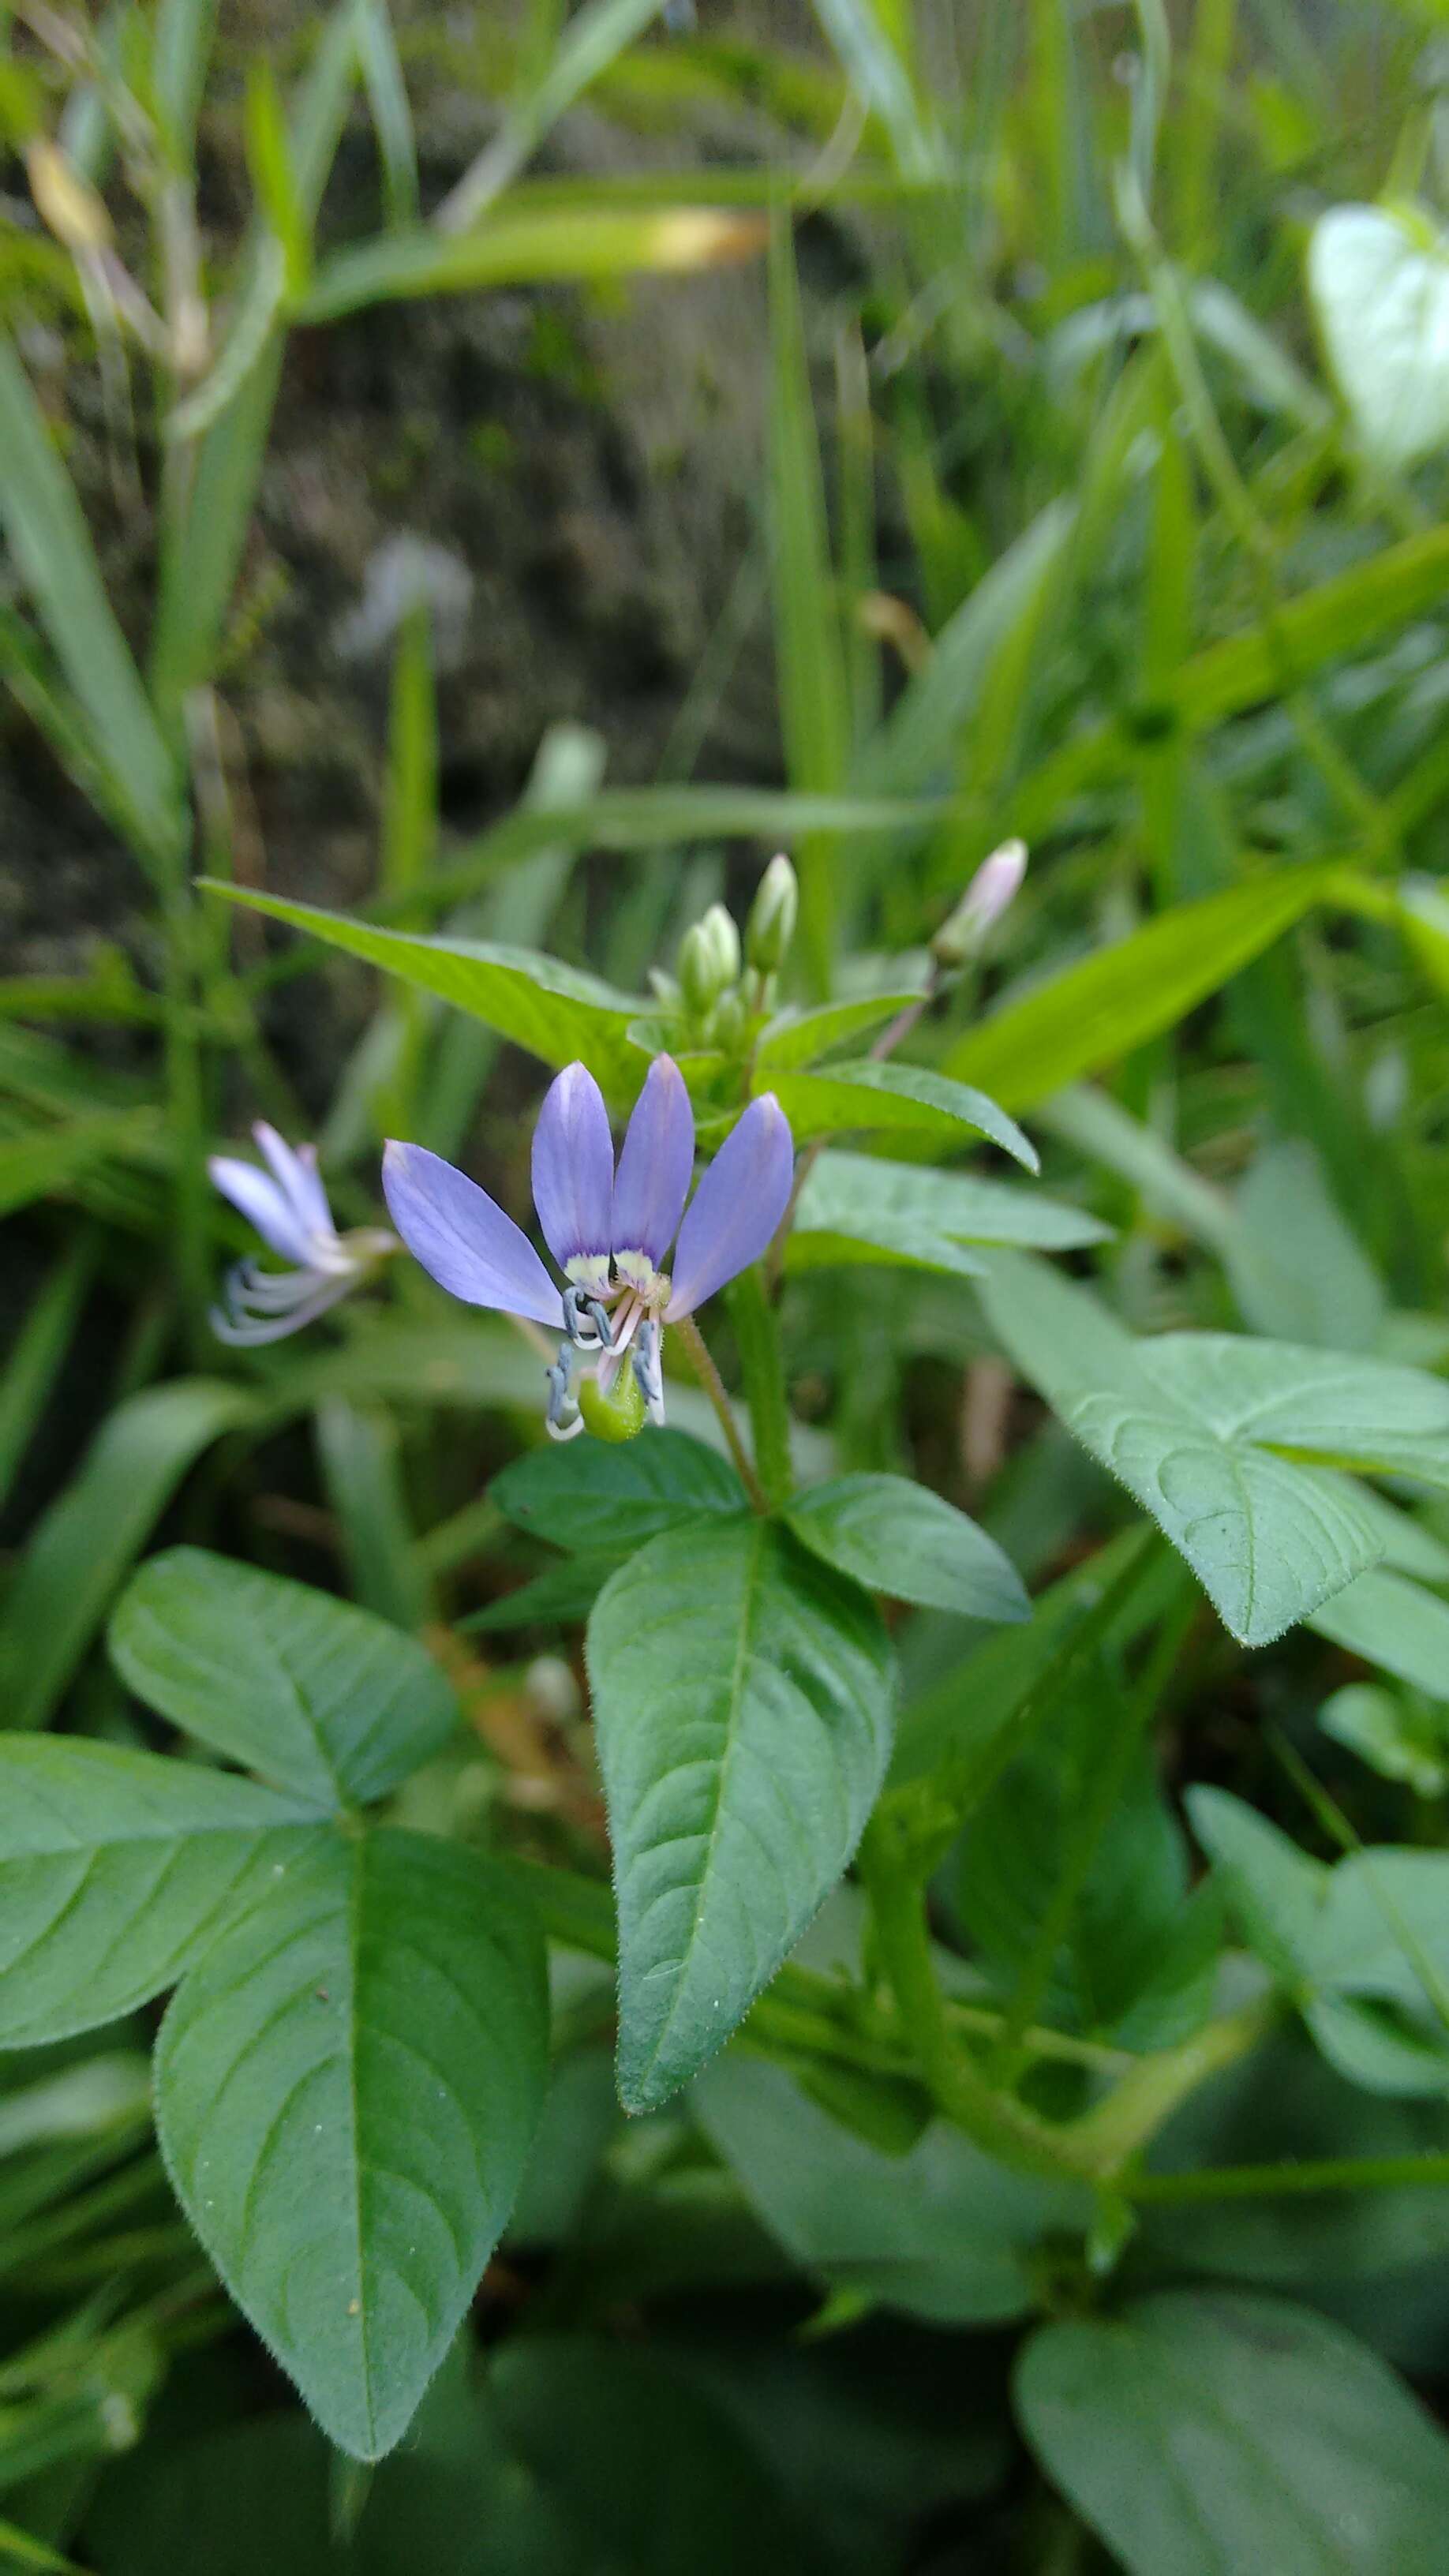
1136,2108
999,2123
758,1336
1250,2182
713,1385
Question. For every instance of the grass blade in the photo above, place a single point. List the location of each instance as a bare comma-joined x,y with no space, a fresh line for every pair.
51,546
814,700
84,1545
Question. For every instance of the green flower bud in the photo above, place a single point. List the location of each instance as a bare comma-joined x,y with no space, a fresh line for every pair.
697,984
994,886
709,961
724,946
771,924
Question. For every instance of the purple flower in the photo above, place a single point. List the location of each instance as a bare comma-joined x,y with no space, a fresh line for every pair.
609,1231
288,1206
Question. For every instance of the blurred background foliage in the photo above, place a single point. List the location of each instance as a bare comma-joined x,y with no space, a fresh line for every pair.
507,470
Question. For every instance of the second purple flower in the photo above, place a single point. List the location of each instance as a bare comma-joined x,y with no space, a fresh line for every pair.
609,1230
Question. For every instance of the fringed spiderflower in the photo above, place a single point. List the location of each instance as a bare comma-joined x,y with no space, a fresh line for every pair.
288,1206
609,1231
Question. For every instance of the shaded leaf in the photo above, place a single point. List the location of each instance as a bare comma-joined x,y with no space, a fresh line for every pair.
346,2090
1205,2434
326,1700
941,2232
87,1539
116,1868
590,1496
552,1010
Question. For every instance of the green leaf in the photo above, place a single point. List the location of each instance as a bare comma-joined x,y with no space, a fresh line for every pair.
82,1547
533,1001
800,1038
1099,1011
942,2232
181,51
1360,1948
742,1707
47,1159
346,2089
1396,1737
589,1496
116,1868
52,551
326,1700
862,33
203,547
1202,2435
922,736
965,1719
869,1097
564,1592
525,250
1380,286
900,1538
858,1208
1274,1893
572,58
273,174
1195,1424
359,1451
1394,1623
1297,1271
1345,615
651,2471
249,2495
1135,1957
38,1351
387,101
1379,2009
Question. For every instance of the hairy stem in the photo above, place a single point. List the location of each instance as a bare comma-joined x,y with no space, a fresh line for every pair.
713,1385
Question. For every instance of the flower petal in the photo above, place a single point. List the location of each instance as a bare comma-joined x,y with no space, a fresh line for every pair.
247,1321
471,1248
573,1168
296,1171
657,1158
263,1203
736,1207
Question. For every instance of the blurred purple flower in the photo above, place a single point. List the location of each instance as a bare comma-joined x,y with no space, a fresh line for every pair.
609,1231
288,1206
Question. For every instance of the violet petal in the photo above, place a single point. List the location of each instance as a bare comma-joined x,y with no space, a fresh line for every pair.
736,1207
467,1243
263,1203
655,1163
573,1168
296,1171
